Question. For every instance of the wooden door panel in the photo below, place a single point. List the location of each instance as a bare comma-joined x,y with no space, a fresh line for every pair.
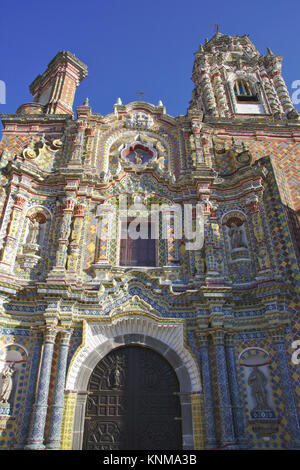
132,402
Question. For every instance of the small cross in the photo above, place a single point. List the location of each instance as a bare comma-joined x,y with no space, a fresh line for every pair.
140,94
216,25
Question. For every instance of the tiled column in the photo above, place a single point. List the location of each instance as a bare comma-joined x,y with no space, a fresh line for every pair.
76,159
287,387
104,227
14,231
172,249
36,354
213,246
226,416
237,408
75,240
210,427
66,211
59,393
105,232
39,412
262,251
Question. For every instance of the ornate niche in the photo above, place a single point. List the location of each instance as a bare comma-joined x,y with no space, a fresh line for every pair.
255,363
139,153
34,235
240,264
13,359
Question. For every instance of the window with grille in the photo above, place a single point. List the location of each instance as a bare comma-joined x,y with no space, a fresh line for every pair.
244,92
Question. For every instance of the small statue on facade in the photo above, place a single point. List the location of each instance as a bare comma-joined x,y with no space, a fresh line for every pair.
258,381
138,158
236,237
33,233
6,385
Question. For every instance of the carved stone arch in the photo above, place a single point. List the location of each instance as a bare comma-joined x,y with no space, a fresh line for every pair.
237,213
164,337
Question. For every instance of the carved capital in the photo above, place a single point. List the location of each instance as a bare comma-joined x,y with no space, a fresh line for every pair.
202,339
19,202
50,333
65,337
278,334
79,210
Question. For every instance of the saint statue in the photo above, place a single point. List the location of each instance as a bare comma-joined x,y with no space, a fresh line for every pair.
258,381
33,233
138,158
6,385
236,236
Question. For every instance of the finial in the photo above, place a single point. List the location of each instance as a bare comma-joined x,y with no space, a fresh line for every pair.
201,48
269,51
140,94
160,103
206,40
119,101
216,26
86,102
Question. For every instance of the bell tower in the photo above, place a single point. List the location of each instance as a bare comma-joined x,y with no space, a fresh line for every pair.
232,79
55,88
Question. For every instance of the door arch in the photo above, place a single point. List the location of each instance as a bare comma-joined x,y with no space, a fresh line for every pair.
133,402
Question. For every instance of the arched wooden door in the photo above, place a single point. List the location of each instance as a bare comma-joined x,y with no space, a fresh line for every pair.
132,403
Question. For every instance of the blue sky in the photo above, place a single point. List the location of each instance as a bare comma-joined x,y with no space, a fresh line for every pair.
133,45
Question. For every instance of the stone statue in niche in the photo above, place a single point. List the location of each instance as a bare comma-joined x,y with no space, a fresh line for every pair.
236,237
138,157
33,233
258,383
6,385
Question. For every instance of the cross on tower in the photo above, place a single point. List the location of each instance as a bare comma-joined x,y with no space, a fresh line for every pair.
216,25
140,94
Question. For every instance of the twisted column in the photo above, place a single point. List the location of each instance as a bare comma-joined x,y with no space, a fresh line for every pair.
283,93
39,412
271,95
220,94
59,393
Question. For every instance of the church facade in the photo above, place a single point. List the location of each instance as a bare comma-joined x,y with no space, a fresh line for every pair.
149,265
